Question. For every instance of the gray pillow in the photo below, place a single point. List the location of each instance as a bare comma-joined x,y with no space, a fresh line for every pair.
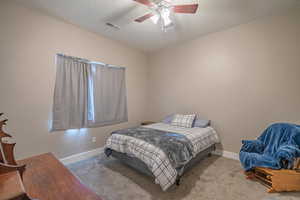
168,119
183,120
201,123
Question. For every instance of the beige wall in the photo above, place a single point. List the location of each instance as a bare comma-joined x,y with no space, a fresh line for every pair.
28,44
242,79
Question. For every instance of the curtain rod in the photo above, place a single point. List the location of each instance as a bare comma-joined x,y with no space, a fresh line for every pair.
88,61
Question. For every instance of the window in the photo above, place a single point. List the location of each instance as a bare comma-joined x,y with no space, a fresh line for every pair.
88,94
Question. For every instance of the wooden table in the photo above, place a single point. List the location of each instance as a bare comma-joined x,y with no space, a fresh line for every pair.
46,178
11,186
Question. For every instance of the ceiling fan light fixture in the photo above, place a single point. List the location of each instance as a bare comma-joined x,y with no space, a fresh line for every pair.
155,18
161,12
165,15
167,21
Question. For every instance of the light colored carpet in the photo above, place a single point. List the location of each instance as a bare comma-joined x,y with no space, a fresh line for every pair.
214,178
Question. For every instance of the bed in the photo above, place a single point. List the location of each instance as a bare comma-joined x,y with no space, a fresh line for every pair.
161,150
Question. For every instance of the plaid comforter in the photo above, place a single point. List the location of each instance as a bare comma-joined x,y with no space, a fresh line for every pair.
155,158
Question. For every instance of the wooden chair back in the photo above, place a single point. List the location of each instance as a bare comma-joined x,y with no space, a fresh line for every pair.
7,158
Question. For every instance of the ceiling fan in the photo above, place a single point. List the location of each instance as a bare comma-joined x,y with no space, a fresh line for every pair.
160,11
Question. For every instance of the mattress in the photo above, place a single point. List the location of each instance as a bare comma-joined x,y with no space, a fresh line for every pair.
201,138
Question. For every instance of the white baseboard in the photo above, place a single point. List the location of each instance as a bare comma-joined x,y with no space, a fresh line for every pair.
81,156
227,154
88,154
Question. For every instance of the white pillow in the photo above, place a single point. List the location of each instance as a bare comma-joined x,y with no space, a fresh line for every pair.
183,120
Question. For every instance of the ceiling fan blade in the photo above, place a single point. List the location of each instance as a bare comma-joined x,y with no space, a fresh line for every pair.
191,8
143,18
145,2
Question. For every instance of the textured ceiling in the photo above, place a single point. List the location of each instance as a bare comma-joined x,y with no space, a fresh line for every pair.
212,16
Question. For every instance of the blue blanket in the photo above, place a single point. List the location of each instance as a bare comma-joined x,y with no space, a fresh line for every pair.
276,148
